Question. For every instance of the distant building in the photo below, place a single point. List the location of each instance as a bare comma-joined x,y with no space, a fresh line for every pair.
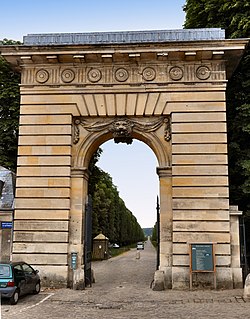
7,191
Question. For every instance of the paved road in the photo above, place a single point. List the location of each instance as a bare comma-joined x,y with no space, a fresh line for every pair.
122,291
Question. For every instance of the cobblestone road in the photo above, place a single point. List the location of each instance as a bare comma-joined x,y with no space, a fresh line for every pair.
122,291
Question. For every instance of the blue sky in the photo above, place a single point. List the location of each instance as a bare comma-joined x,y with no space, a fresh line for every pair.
20,17
132,167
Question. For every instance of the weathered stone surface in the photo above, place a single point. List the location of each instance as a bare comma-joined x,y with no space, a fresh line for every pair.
44,129
49,214
199,127
38,203
44,150
186,159
41,225
213,171
208,226
42,236
43,181
45,140
41,248
201,203
43,192
43,259
199,148
45,119
208,191
192,237
201,215
158,283
200,138
44,161
198,117
200,180
44,171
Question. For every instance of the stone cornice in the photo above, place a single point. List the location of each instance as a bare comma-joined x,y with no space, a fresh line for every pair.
85,54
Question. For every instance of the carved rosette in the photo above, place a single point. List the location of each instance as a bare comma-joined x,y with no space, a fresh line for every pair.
67,75
122,127
42,76
121,75
203,72
176,73
149,74
94,75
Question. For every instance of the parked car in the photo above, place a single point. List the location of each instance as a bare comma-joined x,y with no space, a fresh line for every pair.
17,279
140,245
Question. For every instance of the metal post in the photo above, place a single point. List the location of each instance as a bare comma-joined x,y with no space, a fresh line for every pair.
158,232
245,248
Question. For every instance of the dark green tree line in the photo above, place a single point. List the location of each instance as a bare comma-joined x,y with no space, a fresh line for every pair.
9,112
110,214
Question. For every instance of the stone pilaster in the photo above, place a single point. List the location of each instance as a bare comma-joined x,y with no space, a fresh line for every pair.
235,246
166,224
79,186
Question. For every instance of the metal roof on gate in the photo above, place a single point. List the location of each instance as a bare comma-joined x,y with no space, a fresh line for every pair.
123,37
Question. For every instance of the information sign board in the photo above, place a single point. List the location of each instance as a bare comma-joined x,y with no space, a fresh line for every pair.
202,257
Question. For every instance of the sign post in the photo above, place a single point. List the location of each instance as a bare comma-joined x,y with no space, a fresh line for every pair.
202,259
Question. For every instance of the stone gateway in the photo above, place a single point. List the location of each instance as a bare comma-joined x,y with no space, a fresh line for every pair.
165,88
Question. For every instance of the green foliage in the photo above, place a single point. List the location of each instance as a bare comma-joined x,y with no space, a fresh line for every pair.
234,17
9,112
154,236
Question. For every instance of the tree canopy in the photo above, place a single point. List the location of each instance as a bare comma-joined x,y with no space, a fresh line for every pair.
9,112
234,17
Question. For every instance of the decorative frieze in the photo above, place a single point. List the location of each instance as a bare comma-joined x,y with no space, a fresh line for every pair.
128,74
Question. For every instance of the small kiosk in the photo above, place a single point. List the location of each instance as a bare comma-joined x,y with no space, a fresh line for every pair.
100,247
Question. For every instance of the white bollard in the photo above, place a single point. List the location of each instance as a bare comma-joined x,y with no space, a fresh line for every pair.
138,255
247,288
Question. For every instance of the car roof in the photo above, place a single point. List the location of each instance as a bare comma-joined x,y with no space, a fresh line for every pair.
12,263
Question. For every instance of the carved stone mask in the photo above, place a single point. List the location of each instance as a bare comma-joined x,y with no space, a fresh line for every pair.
122,130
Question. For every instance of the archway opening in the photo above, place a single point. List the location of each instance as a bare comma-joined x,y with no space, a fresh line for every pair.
132,169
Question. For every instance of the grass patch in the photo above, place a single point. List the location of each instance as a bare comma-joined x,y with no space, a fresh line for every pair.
118,251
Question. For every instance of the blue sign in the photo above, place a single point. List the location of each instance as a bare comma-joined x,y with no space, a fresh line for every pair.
6,225
73,261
